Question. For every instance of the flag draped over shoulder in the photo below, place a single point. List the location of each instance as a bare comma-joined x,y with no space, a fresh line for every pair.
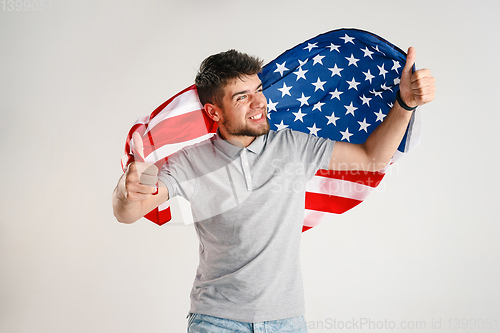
339,85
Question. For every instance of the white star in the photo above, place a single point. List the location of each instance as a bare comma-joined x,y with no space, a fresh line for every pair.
382,70
397,81
347,39
319,85
380,116
353,61
335,94
301,73
271,106
303,100
310,46
363,125
299,115
334,47
332,119
366,100
281,68
317,59
367,52
280,126
318,106
390,105
395,66
346,135
302,63
285,90
376,49
386,87
377,93
336,71
350,109
314,130
353,84
368,76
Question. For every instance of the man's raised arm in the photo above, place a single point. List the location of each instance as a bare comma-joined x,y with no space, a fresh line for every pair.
133,196
376,152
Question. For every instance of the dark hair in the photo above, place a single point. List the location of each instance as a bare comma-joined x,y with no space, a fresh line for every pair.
219,69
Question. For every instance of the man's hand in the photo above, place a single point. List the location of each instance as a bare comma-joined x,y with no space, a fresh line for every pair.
134,195
140,178
416,88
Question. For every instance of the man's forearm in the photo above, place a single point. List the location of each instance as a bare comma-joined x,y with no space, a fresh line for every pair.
385,139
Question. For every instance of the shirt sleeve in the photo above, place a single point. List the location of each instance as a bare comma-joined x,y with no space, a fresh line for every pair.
314,152
178,175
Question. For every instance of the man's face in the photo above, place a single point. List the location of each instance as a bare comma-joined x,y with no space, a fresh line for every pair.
244,109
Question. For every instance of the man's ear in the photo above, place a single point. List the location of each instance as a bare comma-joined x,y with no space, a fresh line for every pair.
212,111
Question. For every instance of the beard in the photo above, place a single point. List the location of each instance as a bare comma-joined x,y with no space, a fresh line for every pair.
245,129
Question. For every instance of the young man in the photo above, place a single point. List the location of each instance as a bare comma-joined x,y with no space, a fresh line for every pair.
246,186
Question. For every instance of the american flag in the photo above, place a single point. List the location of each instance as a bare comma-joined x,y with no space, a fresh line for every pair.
339,85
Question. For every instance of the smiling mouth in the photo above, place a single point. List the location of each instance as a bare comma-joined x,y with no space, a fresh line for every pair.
256,117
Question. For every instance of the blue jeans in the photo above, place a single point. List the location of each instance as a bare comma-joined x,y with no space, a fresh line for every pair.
200,323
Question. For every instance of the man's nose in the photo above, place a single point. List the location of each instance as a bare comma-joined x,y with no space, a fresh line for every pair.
258,102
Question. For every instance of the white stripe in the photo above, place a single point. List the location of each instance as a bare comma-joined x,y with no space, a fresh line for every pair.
164,206
414,131
313,217
341,188
167,150
142,120
182,104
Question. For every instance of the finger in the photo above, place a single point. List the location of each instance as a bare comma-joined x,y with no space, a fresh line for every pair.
410,61
423,82
427,93
420,75
151,169
148,180
424,91
136,189
133,196
137,169
137,144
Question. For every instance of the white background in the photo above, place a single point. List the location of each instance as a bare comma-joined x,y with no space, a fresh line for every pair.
424,247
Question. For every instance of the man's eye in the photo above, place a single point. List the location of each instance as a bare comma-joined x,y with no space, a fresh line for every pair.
241,97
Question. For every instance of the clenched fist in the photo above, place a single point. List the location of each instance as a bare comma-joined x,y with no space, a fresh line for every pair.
135,194
416,88
140,178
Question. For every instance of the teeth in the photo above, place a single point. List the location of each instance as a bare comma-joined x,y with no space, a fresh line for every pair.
257,116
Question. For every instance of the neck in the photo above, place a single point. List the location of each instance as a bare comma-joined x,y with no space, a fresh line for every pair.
236,140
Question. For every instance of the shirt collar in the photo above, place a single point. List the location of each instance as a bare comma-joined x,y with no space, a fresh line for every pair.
231,150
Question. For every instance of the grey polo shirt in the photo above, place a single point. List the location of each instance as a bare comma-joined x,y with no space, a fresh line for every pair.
248,208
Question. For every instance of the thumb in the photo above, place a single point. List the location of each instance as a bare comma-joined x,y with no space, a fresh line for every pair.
410,61
138,145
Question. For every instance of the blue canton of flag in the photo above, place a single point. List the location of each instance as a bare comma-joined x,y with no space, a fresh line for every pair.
339,85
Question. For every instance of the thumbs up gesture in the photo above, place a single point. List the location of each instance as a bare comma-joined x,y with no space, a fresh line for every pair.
416,88
140,177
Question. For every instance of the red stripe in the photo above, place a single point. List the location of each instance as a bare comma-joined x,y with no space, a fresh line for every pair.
159,217
305,228
366,178
177,129
164,104
329,203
